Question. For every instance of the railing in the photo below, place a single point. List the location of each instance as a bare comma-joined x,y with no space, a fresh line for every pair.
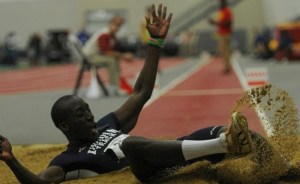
196,14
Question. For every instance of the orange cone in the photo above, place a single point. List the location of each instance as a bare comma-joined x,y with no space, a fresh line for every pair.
125,86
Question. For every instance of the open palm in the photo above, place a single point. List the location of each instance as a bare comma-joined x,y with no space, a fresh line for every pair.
158,27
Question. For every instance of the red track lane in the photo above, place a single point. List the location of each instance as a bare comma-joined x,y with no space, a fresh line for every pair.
204,99
41,79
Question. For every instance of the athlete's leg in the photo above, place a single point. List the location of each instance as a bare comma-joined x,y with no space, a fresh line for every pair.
146,156
209,133
205,133
112,66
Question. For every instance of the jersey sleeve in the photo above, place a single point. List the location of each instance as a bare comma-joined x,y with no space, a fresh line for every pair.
64,161
110,120
70,162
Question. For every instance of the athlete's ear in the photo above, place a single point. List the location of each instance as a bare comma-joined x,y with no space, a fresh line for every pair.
63,126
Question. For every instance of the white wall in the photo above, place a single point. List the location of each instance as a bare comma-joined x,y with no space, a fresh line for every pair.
25,17
278,11
135,8
247,15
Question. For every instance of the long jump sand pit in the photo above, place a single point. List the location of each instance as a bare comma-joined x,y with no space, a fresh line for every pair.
268,163
36,158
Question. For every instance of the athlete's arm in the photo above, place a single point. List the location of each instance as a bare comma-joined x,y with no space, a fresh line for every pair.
128,113
52,174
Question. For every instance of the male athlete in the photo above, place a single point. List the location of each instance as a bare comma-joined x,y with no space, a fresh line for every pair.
105,146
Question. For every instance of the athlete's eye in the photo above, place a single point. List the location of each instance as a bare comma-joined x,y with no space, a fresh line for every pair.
79,112
88,108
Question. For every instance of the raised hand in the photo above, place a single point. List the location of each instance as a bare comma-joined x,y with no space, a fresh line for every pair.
158,27
5,149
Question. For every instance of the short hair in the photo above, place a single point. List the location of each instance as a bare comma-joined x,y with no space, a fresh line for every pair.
117,20
58,111
224,2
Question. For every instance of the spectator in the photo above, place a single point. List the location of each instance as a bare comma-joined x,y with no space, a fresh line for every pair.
285,46
101,49
35,49
262,45
188,43
10,49
83,36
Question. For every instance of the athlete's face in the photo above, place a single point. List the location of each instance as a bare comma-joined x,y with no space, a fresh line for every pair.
114,28
80,121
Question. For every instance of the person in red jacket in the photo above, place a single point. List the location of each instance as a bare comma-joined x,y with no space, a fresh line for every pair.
224,24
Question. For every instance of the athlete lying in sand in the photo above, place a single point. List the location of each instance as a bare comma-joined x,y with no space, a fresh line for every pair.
105,146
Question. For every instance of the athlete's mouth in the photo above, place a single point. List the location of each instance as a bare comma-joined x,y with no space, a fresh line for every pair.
94,129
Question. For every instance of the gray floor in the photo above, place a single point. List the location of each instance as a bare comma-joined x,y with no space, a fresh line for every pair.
25,118
282,74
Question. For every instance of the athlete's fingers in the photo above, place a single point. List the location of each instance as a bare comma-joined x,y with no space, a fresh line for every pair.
159,10
170,17
153,12
164,12
147,20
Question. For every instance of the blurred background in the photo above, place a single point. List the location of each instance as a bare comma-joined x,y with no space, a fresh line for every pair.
38,63
53,20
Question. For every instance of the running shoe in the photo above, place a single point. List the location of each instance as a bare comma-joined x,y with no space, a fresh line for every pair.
237,135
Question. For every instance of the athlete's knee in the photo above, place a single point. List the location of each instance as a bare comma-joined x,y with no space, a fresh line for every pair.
132,147
131,144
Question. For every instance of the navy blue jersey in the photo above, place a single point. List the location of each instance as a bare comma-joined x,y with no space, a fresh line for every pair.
94,156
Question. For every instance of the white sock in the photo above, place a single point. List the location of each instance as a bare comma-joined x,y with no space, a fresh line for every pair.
194,149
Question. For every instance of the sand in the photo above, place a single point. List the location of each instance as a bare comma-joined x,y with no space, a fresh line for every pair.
275,159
